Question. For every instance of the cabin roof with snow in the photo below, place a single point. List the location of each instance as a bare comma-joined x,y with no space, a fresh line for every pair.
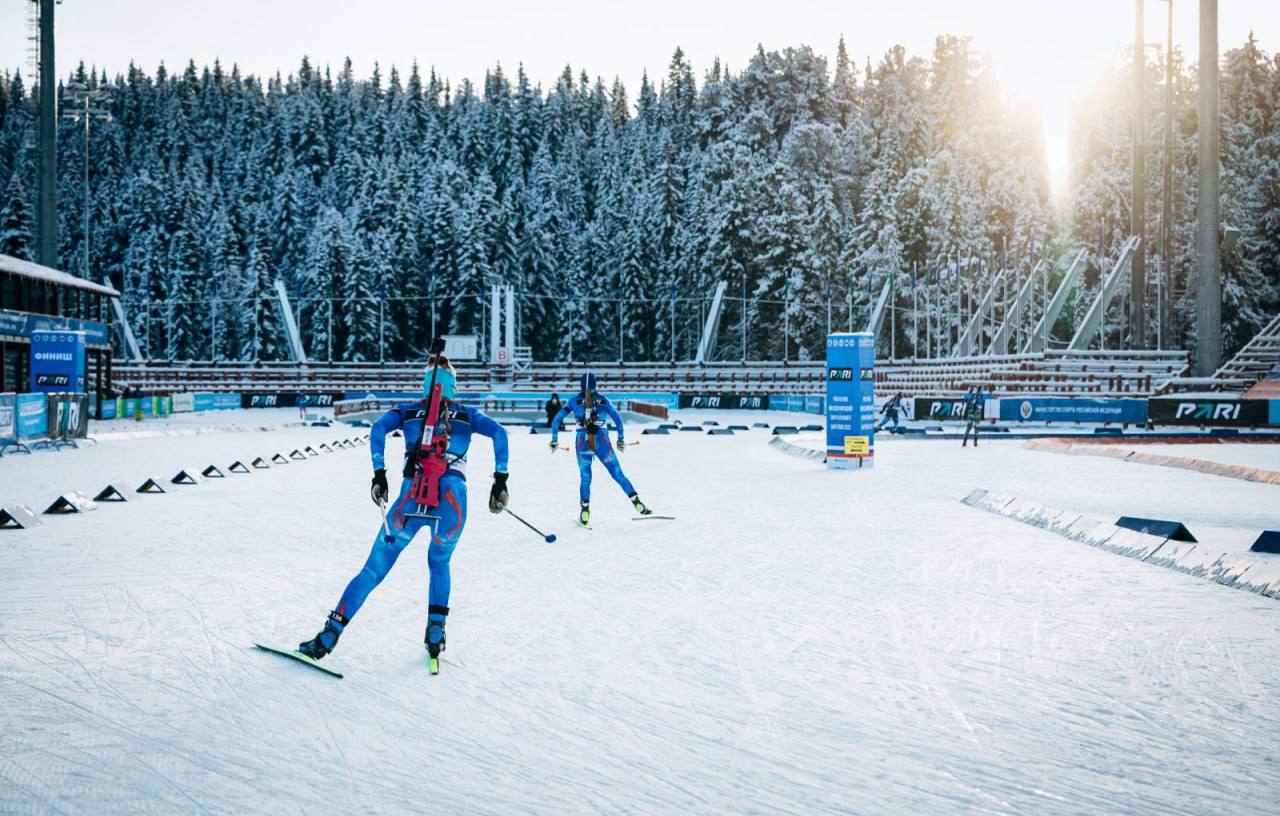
26,269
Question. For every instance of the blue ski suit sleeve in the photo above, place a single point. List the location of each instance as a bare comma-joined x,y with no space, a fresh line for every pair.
388,422
486,425
606,407
564,412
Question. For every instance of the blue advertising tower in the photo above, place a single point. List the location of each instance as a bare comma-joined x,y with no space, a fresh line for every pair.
57,361
851,360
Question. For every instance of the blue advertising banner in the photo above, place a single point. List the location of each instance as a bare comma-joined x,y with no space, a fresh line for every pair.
24,324
1073,409
1273,410
107,408
215,402
851,359
57,361
786,402
8,419
33,415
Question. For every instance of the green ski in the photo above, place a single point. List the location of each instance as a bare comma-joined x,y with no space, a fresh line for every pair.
433,663
298,656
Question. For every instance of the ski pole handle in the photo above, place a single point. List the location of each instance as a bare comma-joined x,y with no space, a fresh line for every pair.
545,537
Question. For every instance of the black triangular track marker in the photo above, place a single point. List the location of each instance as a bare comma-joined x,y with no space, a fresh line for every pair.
297,454
150,486
213,472
238,467
310,451
18,517
110,493
260,463
183,478
325,448
61,506
279,459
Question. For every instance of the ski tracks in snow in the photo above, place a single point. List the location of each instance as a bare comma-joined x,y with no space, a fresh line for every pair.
797,642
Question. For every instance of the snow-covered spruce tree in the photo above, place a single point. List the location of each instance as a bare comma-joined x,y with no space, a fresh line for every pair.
16,220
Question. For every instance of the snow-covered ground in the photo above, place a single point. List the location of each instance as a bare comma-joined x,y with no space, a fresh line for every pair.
798,641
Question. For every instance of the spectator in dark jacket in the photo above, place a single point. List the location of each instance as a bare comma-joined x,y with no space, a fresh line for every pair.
553,407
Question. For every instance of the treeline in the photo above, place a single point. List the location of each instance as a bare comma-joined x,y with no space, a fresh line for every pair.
392,202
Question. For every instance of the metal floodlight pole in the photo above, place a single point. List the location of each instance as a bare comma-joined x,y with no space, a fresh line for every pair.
83,104
1165,281
1208,251
1138,210
47,202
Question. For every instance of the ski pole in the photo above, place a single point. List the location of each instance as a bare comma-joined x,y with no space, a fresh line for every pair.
547,538
382,506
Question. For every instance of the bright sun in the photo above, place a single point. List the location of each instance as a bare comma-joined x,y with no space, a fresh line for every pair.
1052,87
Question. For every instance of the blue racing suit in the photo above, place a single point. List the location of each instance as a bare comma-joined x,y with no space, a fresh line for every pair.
592,440
405,518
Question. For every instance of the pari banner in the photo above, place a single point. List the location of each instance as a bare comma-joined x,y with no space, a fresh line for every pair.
851,409
57,361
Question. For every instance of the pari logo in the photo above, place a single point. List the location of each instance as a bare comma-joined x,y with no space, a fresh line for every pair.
53,380
1207,410
840,374
263,401
706,402
947,408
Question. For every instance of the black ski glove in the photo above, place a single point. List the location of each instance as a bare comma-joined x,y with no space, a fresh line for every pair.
498,493
378,490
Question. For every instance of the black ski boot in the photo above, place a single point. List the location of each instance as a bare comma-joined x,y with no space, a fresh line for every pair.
584,514
639,505
323,643
434,637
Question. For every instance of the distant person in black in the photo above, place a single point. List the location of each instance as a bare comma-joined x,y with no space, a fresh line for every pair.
972,415
553,407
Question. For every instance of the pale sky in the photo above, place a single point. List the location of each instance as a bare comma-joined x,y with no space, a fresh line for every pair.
1043,51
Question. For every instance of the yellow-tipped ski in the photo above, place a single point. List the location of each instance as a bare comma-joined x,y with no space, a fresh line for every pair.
433,663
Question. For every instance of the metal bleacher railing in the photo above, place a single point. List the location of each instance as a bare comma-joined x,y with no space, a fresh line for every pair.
1072,373
1253,363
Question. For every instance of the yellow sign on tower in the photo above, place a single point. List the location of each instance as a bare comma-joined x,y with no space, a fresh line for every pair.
856,445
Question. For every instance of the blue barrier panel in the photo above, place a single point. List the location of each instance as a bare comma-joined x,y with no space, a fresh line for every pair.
107,408
1273,411
8,419
1073,409
204,401
813,404
33,415
851,408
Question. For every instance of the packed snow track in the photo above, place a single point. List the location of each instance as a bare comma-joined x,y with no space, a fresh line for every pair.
797,641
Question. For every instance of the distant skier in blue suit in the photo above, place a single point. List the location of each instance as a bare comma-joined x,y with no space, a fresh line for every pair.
448,466
592,442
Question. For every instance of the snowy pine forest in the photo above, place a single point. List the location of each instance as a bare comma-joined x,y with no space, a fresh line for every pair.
389,204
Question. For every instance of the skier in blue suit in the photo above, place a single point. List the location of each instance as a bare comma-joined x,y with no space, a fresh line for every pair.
592,442
406,517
